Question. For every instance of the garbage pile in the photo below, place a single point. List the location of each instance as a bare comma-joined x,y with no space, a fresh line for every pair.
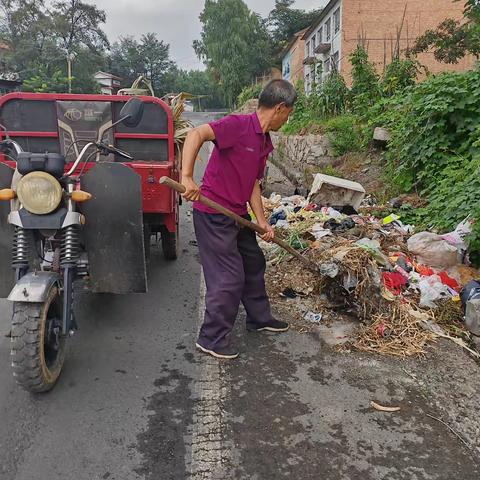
406,288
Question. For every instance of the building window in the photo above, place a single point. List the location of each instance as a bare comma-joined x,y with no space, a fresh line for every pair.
318,72
307,83
336,20
328,29
307,49
314,43
326,66
335,62
320,35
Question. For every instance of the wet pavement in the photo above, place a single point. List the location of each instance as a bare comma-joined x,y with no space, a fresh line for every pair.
135,401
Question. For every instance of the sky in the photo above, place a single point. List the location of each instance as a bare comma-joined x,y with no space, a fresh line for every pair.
175,21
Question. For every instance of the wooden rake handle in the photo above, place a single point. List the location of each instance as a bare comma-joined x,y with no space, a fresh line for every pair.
240,220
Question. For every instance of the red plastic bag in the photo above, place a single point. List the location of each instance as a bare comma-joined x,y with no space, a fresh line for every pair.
449,281
394,282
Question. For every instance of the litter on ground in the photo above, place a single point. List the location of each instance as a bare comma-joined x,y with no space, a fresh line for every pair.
403,289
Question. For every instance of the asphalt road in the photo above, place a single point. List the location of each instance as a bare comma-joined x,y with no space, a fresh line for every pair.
135,401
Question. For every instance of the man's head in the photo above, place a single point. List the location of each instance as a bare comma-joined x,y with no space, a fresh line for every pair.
276,101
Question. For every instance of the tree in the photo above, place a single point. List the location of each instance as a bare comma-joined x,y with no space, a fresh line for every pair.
77,24
44,82
149,57
452,39
234,44
85,65
155,54
198,83
284,21
26,28
40,38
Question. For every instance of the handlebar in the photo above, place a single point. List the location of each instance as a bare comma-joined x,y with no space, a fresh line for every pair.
111,149
102,147
12,143
80,158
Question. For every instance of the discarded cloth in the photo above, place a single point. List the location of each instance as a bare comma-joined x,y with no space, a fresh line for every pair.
276,216
342,226
394,282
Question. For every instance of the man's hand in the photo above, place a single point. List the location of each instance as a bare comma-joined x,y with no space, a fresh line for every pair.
192,192
270,232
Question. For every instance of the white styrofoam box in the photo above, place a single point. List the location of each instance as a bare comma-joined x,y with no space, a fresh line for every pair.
333,191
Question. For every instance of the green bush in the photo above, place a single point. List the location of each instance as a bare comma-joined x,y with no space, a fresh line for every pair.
399,75
435,147
303,117
434,126
365,89
344,134
46,82
329,99
249,93
330,170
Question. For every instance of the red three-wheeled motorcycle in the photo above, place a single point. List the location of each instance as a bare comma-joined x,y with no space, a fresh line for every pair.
79,199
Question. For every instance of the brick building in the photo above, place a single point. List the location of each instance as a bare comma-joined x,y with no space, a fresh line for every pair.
376,24
292,58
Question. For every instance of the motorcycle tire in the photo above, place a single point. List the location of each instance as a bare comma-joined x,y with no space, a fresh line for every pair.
38,351
170,245
147,239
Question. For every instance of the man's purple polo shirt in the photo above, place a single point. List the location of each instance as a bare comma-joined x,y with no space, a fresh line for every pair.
238,160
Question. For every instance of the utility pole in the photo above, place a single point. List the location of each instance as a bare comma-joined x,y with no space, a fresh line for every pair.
70,58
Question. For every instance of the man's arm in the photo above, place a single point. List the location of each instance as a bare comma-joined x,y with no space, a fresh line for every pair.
256,205
193,143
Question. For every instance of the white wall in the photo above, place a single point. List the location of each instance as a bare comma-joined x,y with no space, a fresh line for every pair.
335,41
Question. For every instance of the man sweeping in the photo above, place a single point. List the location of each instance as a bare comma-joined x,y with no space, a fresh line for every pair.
233,263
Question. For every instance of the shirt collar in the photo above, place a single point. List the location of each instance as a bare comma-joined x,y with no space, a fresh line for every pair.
256,123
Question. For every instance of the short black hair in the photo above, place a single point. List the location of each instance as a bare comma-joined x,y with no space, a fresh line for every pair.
277,91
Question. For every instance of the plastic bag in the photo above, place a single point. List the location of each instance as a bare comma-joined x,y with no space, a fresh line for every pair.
432,250
431,290
373,246
470,296
457,237
319,232
391,218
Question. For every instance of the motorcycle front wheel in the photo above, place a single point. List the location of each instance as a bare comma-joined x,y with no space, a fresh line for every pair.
37,346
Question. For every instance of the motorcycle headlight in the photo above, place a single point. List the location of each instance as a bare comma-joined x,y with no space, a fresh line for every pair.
39,192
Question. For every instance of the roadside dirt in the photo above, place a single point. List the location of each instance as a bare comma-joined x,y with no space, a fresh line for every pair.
446,377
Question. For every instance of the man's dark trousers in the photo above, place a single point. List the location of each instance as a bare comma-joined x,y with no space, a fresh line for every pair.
234,268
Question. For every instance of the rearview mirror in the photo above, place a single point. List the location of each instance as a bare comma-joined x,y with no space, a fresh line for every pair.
132,112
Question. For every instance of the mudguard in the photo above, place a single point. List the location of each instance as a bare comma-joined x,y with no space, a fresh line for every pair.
7,275
34,287
113,230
